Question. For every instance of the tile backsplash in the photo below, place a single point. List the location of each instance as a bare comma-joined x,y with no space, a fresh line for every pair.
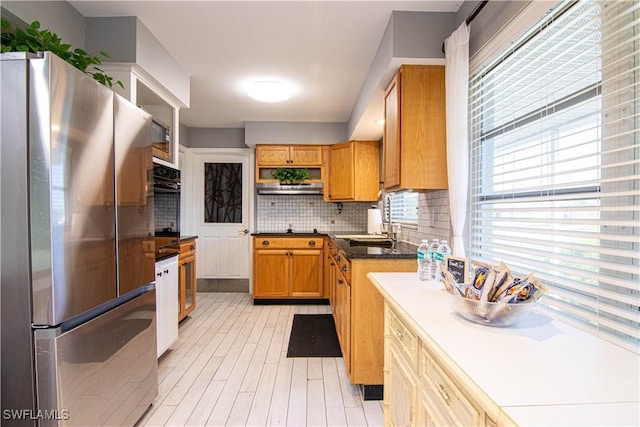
433,218
275,213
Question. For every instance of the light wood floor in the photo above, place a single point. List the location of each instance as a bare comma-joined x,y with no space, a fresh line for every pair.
229,367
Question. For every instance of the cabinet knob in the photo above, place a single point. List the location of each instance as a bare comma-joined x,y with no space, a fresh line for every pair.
265,243
338,258
159,274
344,267
166,271
312,242
340,282
192,247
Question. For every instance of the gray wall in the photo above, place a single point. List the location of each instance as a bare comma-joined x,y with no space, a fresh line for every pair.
113,35
128,40
59,16
491,19
294,133
212,138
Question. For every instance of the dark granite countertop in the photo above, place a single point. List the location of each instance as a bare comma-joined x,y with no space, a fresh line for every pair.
399,250
187,238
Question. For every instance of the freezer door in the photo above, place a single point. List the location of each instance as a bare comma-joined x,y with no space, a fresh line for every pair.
72,216
103,372
134,196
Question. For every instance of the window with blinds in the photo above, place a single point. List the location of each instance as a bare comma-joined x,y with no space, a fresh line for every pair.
555,152
404,207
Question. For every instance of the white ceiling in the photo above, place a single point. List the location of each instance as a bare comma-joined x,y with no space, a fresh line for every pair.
322,49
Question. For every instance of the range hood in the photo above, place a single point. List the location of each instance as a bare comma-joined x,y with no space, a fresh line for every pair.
274,188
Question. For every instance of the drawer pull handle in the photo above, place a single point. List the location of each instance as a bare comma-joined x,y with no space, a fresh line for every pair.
265,243
312,242
443,393
399,333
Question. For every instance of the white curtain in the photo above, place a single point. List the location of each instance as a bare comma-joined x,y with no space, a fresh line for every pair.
457,93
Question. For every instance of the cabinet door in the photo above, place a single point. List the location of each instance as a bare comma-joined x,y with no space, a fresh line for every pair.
391,141
400,391
345,321
306,272
277,155
270,273
187,282
166,303
341,184
302,155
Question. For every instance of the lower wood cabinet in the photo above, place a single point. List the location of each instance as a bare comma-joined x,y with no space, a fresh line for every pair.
358,308
186,278
401,387
288,267
418,389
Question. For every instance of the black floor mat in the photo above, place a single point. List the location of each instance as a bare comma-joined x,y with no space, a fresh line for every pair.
313,335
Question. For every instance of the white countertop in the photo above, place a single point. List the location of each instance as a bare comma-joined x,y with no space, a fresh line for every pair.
540,371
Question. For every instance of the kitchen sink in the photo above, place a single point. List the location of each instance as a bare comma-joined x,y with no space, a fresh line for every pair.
379,240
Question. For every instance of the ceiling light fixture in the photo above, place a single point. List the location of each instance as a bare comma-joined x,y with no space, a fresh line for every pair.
269,91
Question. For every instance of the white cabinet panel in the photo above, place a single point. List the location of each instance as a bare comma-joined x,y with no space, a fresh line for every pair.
167,303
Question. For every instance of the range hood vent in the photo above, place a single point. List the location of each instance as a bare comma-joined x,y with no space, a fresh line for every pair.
274,188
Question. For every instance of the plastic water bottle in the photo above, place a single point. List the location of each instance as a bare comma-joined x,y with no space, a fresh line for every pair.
443,251
424,263
433,267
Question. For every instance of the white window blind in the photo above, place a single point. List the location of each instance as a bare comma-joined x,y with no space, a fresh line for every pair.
404,208
555,149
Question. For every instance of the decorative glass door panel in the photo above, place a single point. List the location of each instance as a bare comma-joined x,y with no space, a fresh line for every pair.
223,193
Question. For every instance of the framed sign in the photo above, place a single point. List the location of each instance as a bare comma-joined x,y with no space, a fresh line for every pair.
457,267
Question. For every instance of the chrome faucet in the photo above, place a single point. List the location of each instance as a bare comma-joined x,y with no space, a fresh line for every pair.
390,232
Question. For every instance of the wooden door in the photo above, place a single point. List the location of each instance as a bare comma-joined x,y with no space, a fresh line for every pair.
302,155
341,173
306,272
391,141
270,273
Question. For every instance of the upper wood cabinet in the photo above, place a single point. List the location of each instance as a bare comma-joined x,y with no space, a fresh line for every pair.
354,171
289,155
311,157
415,154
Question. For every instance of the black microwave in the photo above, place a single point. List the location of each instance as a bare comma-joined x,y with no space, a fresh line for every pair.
165,179
161,137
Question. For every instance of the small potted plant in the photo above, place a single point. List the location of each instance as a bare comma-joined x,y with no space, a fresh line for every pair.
290,176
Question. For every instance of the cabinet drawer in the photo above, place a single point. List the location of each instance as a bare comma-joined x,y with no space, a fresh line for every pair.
403,338
187,249
449,397
288,242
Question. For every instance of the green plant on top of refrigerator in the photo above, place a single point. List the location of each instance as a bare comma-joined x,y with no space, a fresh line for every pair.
33,39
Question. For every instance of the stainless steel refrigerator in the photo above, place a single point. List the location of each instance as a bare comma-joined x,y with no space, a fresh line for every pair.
77,249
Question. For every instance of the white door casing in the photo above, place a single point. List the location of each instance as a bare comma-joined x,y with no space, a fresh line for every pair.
224,249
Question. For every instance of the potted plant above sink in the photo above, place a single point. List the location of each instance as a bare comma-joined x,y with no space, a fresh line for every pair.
291,176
